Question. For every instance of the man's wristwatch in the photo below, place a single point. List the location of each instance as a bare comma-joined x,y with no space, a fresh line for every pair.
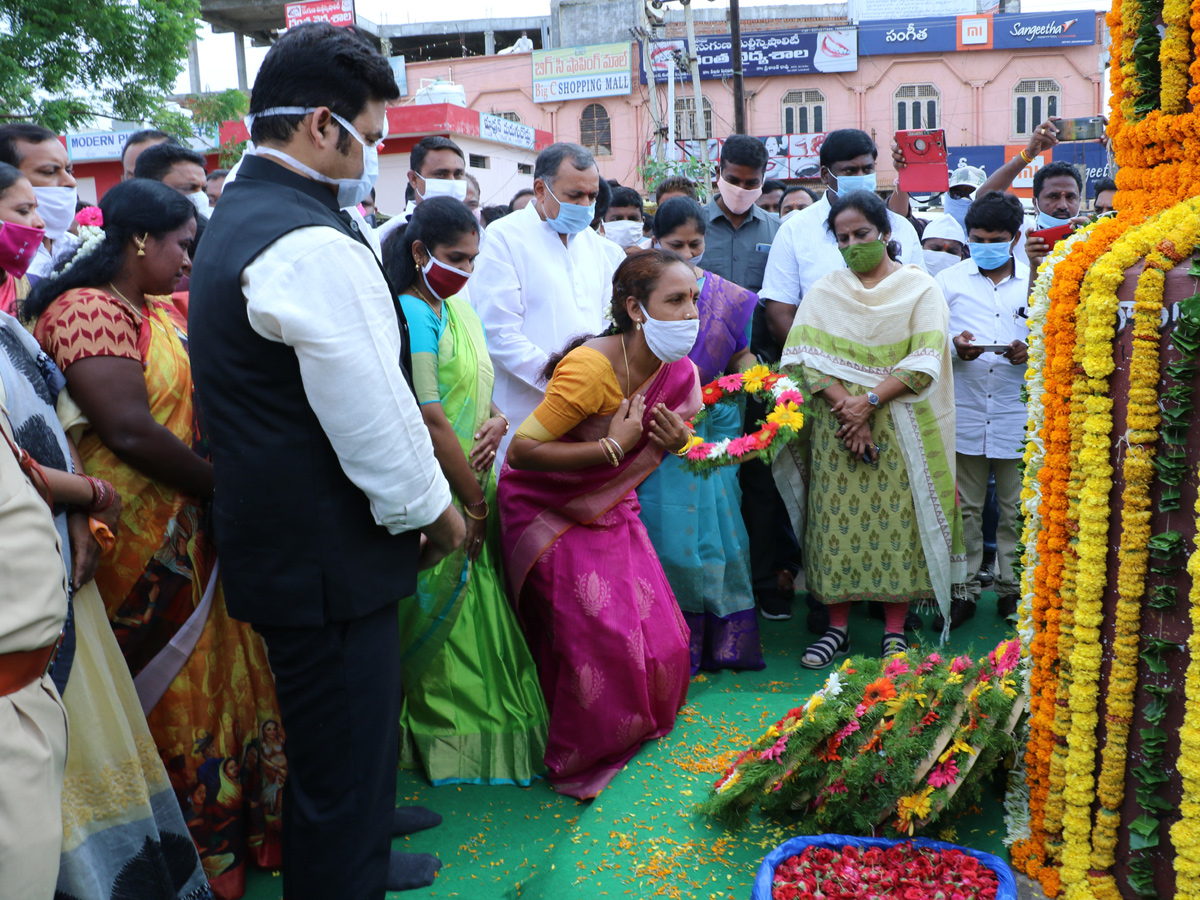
873,398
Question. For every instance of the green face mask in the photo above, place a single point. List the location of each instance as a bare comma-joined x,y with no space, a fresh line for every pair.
863,257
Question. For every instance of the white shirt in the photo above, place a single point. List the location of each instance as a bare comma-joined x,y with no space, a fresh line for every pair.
987,390
44,260
322,293
533,295
804,251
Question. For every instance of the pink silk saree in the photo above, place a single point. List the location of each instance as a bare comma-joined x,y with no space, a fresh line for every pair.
610,643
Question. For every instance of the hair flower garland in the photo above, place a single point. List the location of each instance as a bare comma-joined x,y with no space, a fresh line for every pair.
781,426
91,234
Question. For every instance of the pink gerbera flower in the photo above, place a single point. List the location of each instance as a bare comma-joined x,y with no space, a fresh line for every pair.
945,774
90,215
730,382
742,445
699,452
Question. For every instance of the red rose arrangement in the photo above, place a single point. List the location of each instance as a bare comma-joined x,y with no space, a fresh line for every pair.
900,872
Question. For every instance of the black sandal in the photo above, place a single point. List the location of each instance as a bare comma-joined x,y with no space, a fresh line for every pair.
894,644
833,644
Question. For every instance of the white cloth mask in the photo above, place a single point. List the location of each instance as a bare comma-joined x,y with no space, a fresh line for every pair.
200,201
670,341
938,260
56,206
443,187
624,234
737,200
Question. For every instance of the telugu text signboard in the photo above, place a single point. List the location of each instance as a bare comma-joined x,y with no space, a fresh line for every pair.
907,36
335,12
497,128
573,73
764,53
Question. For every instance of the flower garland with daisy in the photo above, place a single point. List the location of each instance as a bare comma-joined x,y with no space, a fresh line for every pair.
782,424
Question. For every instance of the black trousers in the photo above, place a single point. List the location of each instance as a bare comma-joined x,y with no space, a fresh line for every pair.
339,693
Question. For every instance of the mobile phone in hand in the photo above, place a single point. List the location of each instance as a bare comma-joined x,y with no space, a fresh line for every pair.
1087,128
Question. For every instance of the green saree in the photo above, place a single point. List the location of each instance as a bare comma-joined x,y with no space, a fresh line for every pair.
473,709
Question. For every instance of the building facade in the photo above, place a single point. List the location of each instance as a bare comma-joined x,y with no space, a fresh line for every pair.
989,92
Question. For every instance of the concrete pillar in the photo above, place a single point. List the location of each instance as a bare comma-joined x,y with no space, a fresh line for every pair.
545,38
239,52
489,43
194,67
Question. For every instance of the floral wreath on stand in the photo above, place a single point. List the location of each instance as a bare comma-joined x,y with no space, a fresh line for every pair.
781,426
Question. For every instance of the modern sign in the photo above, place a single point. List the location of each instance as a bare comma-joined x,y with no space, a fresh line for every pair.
335,12
764,53
572,73
105,145
497,128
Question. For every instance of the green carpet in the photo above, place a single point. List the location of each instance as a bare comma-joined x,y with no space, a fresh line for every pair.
640,838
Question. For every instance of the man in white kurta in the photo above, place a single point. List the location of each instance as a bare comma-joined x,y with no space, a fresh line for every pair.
536,287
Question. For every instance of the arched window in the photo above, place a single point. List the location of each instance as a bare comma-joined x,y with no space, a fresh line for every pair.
1034,101
917,106
595,129
685,119
803,112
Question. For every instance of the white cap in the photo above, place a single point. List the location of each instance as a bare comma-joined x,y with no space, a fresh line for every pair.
946,228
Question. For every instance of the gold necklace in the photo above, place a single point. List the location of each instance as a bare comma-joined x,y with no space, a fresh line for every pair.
628,379
419,291
133,309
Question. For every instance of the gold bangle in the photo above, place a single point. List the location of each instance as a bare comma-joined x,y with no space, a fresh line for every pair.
613,459
507,424
1026,157
471,515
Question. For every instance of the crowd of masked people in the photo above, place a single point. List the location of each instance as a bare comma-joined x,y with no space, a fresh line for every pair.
293,491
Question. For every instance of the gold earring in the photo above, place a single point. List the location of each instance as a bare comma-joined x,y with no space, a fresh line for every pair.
140,243
639,325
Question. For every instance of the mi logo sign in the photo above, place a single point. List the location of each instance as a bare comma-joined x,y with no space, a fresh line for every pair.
974,32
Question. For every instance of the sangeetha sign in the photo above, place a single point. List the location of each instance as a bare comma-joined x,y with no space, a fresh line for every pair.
573,73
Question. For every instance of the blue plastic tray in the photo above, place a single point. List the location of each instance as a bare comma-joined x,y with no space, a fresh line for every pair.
1007,889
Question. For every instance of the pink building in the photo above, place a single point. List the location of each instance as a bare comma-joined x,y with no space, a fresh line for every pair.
985,97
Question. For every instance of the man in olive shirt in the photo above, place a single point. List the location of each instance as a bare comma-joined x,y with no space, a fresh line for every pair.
737,242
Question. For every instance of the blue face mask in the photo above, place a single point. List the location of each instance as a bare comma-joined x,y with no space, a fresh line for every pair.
848,184
1045,220
956,208
990,256
572,218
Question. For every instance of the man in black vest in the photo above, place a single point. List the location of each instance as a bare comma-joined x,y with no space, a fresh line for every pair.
328,496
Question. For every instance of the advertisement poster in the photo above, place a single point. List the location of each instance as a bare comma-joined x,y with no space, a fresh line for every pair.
335,12
764,53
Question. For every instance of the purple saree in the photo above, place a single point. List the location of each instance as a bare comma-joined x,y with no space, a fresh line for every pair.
599,616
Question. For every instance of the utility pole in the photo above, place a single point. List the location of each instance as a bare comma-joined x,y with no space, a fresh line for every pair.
739,90
700,131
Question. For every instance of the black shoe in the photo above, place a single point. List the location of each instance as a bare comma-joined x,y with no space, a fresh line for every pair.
986,576
960,611
774,605
912,622
818,617
1007,606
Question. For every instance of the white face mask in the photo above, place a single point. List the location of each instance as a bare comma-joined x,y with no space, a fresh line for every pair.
624,234
443,187
351,191
670,341
938,260
56,206
200,201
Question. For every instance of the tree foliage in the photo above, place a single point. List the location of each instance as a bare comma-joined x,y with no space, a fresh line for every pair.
65,62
